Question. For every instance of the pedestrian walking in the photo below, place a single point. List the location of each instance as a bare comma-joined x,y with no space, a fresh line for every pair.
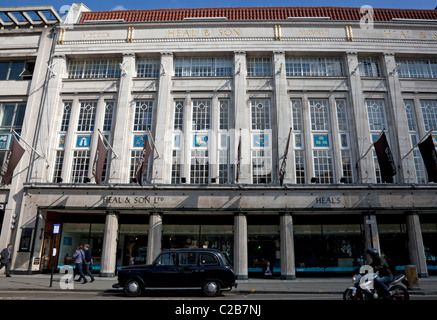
6,258
79,257
88,262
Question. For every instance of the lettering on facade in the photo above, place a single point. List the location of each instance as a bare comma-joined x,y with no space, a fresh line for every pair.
328,200
397,34
132,200
197,33
95,35
314,32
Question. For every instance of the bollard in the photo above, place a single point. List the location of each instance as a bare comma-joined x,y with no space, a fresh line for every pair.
411,274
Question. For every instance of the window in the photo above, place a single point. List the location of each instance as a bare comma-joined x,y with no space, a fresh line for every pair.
59,163
199,170
94,69
11,116
203,67
259,67
87,116
376,114
261,145
201,115
322,142
136,155
223,143
314,67
176,167
298,146
167,259
179,115
323,167
429,113
16,70
319,110
143,115
369,67
188,259
178,127
343,132
109,112
201,123
26,239
260,114
66,116
81,162
148,68
377,122
412,128
425,68
208,260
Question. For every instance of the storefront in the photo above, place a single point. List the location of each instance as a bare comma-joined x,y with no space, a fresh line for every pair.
429,234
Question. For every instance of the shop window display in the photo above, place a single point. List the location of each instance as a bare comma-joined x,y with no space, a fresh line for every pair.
263,248
328,248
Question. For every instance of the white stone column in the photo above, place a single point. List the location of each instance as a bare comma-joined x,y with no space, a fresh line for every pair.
288,271
163,128
371,233
415,245
125,109
400,142
240,246
359,129
242,118
109,249
283,119
154,241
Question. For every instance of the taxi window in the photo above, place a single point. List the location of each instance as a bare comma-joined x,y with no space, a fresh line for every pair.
188,258
166,259
207,259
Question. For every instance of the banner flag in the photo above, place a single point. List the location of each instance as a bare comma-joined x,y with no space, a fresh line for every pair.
284,161
12,158
145,154
429,156
387,166
239,158
99,161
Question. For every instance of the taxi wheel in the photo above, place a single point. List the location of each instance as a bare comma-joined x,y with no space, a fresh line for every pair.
211,288
133,288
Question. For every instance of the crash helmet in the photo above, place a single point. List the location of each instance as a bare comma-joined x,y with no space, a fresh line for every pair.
372,252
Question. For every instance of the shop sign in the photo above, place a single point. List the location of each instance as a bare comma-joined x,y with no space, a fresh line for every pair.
133,200
328,201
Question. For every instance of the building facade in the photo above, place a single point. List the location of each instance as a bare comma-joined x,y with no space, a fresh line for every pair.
261,123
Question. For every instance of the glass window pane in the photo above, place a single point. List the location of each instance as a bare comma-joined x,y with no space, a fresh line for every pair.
4,70
17,68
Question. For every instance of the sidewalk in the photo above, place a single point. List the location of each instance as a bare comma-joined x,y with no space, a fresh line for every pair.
307,285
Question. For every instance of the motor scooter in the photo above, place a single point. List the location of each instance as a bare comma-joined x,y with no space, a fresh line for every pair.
364,289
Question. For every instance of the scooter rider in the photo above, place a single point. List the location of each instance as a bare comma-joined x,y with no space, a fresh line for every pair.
385,275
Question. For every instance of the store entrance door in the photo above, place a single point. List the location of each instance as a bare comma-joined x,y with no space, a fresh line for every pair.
47,258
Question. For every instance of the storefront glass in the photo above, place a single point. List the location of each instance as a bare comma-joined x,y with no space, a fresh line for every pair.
75,234
429,235
393,240
263,247
132,244
328,247
219,237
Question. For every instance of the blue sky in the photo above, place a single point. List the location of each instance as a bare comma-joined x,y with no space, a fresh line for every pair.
101,5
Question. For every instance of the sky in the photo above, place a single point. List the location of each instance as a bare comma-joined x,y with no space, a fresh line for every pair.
104,5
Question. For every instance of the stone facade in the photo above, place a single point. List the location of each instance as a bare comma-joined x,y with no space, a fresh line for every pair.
329,179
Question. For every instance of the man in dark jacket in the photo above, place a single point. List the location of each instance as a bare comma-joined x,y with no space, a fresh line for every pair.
88,261
385,275
5,261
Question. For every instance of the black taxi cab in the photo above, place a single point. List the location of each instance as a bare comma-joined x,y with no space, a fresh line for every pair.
207,269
